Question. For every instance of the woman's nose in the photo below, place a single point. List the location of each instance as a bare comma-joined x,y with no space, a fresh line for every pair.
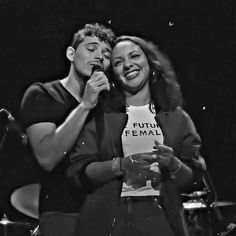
127,64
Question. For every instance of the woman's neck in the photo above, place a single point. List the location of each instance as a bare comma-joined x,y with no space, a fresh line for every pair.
143,97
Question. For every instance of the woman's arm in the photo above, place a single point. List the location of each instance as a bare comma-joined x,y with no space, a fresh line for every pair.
164,155
102,172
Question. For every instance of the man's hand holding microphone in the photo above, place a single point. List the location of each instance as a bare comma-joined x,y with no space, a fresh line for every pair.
97,83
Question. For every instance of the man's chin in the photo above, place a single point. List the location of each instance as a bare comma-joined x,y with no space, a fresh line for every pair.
83,77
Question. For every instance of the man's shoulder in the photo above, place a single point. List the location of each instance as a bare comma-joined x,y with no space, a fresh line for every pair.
45,102
47,86
41,89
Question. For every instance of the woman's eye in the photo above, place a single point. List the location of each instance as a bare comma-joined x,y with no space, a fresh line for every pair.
117,63
135,56
107,55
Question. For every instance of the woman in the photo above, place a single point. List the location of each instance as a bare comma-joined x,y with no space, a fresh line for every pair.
152,96
146,147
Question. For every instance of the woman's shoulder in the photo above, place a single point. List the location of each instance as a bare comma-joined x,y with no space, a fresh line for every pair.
177,116
178,112
182,112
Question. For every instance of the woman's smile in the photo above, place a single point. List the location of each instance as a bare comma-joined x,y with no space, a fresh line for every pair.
131,74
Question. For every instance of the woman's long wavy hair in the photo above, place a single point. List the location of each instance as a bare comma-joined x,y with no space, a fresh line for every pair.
165,90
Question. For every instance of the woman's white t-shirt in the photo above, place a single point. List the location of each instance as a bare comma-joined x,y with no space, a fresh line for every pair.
138,137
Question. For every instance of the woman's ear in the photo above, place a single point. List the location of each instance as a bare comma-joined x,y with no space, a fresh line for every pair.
70,53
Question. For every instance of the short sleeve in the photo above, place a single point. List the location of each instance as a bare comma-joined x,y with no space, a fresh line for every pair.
38,106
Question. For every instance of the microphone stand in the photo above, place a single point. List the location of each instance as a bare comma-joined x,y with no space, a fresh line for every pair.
217,224
8,117
210,199
4,220
3,138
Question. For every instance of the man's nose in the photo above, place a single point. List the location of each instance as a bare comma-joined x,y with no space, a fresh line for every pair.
99,56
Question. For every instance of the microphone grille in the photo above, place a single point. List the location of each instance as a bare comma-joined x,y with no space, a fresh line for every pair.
97,67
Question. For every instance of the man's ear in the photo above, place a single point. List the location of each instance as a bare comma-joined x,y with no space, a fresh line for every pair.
70,53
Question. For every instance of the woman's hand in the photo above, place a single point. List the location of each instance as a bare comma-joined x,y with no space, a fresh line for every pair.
164,155
138,169
137,163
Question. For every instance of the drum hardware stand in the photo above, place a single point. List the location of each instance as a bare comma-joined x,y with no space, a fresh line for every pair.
4,222
213,226
4,219
193,218
35,231
208,202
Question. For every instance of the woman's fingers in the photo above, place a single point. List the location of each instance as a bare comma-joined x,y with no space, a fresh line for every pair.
143,157
162,148
163,160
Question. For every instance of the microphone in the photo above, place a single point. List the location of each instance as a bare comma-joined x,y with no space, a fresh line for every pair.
13,125
97,67
6,112
103,94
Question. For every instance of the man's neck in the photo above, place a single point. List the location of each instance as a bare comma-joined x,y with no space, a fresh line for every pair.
74,85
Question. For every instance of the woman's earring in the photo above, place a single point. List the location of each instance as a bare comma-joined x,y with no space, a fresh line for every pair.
153,76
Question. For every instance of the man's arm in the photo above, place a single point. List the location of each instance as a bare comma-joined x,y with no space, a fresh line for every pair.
51,143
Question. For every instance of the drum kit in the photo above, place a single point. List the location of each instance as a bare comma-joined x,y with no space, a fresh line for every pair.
26,201
204,218
196,204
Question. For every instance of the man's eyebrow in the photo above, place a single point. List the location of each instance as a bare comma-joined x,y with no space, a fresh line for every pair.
92,43
107,48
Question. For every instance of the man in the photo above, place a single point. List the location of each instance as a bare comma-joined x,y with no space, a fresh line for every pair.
55,114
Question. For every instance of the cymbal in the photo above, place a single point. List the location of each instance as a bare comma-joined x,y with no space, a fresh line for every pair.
195,194
26,200
8,222
194,205
222,204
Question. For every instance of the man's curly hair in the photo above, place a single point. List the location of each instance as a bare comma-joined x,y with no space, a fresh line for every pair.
103,33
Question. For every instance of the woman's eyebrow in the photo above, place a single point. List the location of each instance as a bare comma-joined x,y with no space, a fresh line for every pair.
120,57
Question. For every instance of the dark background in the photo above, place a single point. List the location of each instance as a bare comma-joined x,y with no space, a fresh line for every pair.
198,36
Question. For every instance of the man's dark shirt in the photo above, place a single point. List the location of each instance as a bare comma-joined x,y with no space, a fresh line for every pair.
51,102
